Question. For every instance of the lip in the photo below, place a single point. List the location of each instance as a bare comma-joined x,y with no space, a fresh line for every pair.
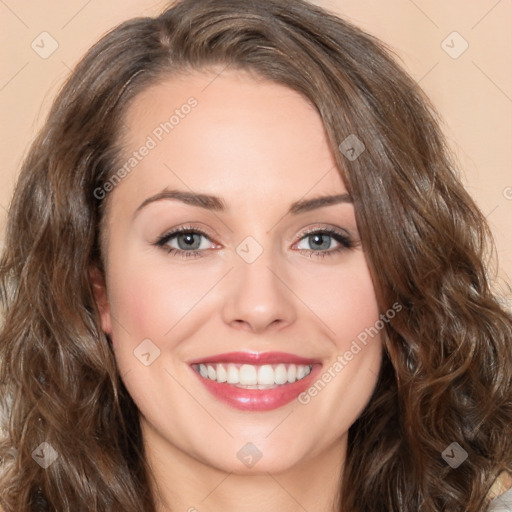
255,358
256,399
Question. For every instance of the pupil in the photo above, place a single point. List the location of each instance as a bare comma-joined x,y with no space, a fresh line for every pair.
188,239
317,239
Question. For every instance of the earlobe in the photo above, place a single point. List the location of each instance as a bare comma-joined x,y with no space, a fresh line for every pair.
100,295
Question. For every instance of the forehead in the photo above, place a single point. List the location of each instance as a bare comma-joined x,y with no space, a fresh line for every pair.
226,134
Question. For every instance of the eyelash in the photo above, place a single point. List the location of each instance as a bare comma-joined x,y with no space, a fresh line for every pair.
344,241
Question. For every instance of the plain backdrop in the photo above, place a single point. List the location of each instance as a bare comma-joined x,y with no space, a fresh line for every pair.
458,50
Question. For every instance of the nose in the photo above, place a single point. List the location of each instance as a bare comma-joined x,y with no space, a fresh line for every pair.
258,297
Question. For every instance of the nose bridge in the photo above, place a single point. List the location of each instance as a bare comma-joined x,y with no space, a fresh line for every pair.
258,296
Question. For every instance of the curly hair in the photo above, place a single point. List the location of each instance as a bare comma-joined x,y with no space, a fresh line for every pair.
446,375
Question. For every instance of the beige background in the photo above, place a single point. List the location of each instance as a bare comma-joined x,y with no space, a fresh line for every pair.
473,91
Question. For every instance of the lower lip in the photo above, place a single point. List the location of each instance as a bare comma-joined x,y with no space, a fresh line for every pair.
259,399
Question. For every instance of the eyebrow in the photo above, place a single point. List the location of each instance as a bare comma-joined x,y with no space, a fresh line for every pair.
217,204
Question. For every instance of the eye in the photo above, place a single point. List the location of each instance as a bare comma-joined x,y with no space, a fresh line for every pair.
189,242
321,242
184,241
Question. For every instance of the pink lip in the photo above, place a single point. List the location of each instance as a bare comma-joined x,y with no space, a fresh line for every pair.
255,399
255,358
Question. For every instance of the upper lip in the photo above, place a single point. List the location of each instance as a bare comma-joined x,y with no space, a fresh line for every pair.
255,358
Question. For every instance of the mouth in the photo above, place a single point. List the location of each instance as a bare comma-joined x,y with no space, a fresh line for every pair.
256,382
250,376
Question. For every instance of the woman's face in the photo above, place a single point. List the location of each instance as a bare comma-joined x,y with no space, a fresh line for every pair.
256,289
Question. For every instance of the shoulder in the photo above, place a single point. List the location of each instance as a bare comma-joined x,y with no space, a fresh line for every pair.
502,503
500,494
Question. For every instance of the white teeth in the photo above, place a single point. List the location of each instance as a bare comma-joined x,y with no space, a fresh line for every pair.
292,373
233,375
251,376
281,374
212,374
222,375
248,375
266,375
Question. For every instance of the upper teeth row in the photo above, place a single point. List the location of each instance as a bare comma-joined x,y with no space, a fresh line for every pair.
248,374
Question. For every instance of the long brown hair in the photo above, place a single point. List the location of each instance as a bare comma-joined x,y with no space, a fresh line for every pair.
447,370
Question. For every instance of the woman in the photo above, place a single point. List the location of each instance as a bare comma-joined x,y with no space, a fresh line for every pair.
241,274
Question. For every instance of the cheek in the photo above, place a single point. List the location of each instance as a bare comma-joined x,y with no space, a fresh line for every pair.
147,302
354,309
343,298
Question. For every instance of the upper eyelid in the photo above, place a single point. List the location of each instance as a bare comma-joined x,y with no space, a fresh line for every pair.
180,230
341,231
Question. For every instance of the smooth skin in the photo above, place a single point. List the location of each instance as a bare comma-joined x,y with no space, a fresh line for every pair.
259,147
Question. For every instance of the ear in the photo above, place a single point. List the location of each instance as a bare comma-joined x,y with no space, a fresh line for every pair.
100,294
